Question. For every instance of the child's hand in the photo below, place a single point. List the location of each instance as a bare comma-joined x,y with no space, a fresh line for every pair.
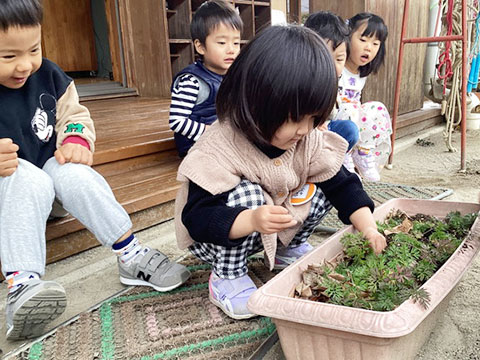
377,240
74,153
269,219
8,157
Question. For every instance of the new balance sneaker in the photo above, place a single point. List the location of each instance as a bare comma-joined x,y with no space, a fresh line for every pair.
288,255
366,165
231,295
32,306
153,269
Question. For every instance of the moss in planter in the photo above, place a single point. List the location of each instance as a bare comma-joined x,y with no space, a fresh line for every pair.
416,248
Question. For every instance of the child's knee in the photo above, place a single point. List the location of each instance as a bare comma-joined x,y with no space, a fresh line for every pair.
346,129
71,175
29,179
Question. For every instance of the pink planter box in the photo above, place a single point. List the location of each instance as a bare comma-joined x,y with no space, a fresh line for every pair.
313,330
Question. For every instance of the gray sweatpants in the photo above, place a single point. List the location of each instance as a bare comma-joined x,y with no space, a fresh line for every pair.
26,199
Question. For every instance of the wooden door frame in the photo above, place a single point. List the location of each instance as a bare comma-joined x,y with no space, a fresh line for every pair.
144,35
116,54
295,11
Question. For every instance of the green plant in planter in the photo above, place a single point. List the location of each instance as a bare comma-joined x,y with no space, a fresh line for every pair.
416,248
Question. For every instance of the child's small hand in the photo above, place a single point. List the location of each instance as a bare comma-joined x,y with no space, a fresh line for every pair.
377,240
269,219
74,153
8,157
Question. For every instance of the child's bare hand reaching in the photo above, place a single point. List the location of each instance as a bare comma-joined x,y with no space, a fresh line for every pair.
363,221
74,153
377,240
8,157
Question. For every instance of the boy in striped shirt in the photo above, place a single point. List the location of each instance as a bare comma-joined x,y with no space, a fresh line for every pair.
215,29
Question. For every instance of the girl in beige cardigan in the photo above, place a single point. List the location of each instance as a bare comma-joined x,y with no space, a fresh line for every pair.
262,177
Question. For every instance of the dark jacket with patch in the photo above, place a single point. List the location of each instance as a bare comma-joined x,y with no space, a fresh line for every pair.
41,114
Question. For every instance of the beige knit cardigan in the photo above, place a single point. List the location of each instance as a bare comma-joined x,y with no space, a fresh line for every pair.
222,157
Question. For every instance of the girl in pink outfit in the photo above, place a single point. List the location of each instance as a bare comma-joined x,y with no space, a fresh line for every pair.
366,55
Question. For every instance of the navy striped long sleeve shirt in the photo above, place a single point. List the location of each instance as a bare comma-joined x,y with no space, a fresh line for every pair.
184,96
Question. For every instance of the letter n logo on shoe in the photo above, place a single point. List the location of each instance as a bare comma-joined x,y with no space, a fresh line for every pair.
143,276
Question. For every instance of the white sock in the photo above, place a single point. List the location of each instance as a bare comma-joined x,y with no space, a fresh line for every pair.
130,251
19,278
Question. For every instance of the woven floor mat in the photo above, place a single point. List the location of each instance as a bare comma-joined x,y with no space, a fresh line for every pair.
145,325
381,192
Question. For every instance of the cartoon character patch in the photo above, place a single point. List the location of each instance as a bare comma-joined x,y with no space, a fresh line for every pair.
39,123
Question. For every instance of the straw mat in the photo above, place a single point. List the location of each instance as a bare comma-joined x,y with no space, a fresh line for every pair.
145,325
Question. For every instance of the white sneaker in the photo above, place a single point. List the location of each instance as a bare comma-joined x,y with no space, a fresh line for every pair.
366,165
348,162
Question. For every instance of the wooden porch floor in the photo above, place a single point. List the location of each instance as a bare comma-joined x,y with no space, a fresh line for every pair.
135,152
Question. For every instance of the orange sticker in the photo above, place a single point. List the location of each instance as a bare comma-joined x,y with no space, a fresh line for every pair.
304,195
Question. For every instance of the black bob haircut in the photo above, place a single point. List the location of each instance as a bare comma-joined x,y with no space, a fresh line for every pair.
20,13
211,14
375,27
284,73
330,27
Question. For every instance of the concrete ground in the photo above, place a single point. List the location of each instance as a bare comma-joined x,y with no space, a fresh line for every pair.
92,276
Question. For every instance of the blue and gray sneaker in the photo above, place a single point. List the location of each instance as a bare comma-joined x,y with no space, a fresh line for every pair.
231,295
288,255
32,306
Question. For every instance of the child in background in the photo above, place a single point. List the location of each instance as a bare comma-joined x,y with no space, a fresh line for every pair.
241,180
335,32
46,146
366,55
216,28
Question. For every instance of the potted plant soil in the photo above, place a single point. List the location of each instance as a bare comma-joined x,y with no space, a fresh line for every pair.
322,330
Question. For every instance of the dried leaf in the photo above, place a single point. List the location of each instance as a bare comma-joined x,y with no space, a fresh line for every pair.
316,268
319,288
299,287
303,290
364,294
331,264
310,278
336,276
307,292
404,227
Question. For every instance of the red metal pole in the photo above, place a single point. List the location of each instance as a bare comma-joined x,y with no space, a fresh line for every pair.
433,39
464,38
398,79
463,124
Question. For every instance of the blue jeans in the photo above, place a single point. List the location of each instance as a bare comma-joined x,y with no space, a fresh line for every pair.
346,129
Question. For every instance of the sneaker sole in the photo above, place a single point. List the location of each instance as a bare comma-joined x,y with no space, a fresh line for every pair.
232,315
136,282
30,319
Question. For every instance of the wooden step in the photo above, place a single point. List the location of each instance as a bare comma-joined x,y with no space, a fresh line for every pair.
126,148
418,120
130,127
